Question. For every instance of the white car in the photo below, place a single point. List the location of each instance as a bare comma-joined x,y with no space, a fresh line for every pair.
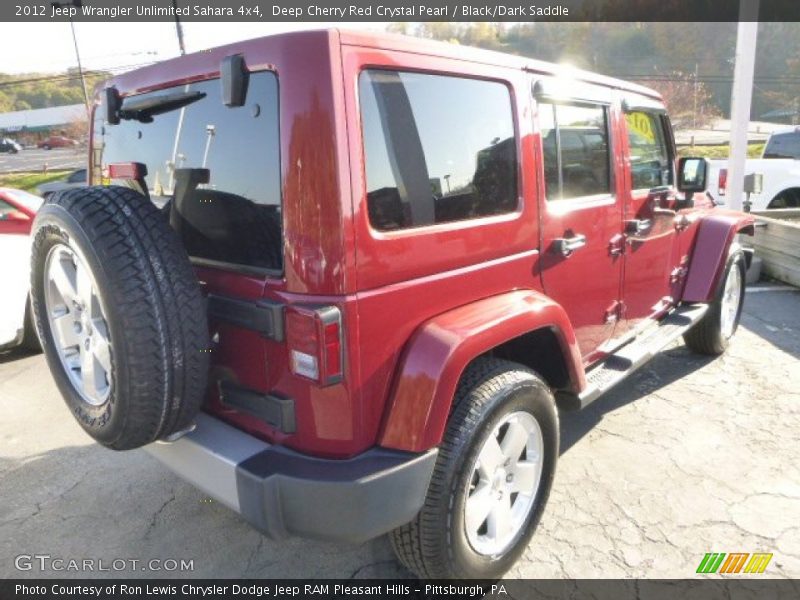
17,210
780,167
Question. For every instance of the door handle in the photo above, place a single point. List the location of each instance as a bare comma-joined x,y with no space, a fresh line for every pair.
638,226
566,246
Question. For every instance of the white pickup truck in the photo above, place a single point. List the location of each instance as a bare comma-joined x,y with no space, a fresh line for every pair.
780,167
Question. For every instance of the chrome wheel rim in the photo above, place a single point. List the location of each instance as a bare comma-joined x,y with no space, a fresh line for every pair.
78,324
731,297
504,480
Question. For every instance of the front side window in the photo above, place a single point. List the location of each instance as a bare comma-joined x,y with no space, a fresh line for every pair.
216,168
437,148
650,163
575,150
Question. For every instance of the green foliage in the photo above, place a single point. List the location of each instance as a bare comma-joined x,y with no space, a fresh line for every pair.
722,151
650,53
43,90
29,180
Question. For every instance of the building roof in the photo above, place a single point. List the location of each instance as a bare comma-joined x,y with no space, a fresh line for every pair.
40,118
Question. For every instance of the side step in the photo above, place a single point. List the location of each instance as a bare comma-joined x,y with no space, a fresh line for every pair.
633,355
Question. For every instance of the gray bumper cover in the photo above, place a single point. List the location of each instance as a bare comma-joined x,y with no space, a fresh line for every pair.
284,493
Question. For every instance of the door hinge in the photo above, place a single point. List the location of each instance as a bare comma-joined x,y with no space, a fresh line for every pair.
615,312
677,274
616,245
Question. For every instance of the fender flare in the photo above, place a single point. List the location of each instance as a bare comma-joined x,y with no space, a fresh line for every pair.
441,348
711,246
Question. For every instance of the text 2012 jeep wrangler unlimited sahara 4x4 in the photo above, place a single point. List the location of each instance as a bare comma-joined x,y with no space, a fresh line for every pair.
339,281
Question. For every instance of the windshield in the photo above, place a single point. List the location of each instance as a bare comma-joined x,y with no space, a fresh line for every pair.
29,201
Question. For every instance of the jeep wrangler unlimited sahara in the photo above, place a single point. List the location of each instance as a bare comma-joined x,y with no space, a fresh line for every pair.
339,281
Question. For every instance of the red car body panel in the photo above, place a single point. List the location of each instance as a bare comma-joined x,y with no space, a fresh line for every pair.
714,238
17,226
417,304
441,349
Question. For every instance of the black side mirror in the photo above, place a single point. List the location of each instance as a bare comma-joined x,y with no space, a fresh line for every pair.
113,104
235,78
692,173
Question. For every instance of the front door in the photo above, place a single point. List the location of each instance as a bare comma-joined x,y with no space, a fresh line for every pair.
650,214
581,228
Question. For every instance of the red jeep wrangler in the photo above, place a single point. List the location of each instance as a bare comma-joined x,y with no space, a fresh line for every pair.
339,281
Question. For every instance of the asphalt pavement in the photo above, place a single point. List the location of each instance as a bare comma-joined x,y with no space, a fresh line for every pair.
691,455
34,159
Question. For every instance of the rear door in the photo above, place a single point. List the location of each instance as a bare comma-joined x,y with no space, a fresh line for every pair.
582,219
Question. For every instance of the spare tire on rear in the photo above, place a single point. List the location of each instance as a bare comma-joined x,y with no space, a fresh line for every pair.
120,315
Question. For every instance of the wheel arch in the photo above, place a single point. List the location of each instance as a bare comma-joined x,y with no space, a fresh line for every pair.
442,348
712,244
793,190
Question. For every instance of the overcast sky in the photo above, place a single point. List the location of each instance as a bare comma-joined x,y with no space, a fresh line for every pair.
48,47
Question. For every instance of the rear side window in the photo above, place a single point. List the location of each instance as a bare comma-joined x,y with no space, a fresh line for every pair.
218,167
437,148
576,150
650,163
783,145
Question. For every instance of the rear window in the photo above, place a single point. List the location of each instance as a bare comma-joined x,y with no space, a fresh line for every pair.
437,148
783,145
232,214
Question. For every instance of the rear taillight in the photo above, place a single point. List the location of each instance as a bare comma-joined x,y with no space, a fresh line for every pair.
723,181
129,170
314,337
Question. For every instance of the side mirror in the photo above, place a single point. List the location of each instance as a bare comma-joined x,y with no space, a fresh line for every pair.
113,104
235,78
692,173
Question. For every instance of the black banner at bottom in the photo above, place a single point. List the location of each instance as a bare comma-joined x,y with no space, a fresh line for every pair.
735,588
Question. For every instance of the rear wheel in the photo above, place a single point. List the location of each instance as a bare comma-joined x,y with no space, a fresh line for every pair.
120,315
713,333
492,477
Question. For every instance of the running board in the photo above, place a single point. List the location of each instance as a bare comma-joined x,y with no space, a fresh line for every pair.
633,355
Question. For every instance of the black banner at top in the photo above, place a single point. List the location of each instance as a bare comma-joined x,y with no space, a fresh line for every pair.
400,10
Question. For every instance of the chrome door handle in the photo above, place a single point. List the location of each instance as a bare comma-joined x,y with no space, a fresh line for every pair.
566,246
638,226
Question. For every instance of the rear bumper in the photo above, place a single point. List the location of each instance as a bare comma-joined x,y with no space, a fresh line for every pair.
284,493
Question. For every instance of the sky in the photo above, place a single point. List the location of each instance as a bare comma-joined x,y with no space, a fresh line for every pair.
48,47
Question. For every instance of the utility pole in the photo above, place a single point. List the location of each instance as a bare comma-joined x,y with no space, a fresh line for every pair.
76,4
694,112
178,28
741,98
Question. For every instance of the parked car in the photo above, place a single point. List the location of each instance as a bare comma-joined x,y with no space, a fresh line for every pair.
75,179
780,167
17,210
57,141
9,145
369,286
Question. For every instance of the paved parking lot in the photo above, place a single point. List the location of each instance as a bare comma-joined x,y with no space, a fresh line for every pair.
35,159
692,455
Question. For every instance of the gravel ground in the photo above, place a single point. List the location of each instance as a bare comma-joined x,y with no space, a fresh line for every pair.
691,455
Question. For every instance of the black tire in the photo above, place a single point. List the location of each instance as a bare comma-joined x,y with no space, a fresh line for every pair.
707,337
46,147
154,310
435,545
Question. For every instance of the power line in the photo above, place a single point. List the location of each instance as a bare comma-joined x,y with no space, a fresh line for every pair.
57,77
